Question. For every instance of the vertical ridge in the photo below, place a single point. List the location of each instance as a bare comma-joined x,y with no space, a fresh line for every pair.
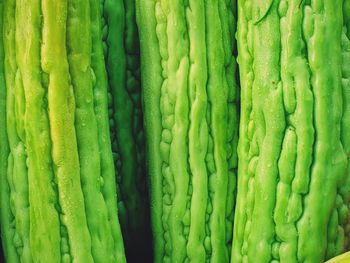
101,111
79,43
64,143
17,168
246,127
122,58
218,94
344,209
43,220
151,70
177,90
291,154
7,230
198,130
329,157
193,152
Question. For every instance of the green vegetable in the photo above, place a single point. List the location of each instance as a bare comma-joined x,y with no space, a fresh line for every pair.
60,175
6,216
293,181
189,96
121,46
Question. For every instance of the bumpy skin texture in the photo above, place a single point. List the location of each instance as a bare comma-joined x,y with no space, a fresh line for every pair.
189,96
6,216
121,49
60,175
293,179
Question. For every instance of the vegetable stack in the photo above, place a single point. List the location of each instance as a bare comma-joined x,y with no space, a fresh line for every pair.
58,192
188,76
72,111
121,49
293,178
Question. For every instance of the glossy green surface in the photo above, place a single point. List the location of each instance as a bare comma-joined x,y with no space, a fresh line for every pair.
189,96
60,175
293,178
6,215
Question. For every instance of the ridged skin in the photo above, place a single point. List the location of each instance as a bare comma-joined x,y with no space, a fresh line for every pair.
293,178
121,50
189,95
6,216
109,187
60,175
344,210
16,170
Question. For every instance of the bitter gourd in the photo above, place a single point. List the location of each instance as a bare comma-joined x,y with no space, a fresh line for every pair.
6,217
121,48
293,183
189,96
60,179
